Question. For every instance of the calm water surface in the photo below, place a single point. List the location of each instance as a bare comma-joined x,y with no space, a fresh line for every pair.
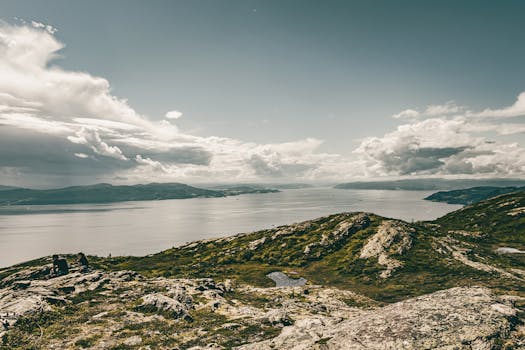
140,228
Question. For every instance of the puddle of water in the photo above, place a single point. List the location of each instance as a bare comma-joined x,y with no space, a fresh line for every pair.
282,280
508,250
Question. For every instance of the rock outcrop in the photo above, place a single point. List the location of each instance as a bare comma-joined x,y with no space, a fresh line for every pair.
460,252
111,309
157,302
337,237
392,237
457,318
30,291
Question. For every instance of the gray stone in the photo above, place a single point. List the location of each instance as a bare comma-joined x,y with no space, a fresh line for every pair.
161,303
457,318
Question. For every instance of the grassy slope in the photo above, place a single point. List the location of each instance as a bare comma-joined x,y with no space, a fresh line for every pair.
425,270
499,229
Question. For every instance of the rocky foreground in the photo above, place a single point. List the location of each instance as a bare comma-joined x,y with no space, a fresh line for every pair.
124,310
371,283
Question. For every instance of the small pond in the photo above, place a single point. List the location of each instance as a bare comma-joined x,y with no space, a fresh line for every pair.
282,280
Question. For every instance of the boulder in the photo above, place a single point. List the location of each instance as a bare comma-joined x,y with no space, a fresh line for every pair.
170,307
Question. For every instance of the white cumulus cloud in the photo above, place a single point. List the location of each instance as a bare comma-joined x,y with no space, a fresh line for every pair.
515,110
173,115
89,129
61,126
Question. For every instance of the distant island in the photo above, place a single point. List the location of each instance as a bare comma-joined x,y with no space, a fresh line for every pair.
107,193
429,184
471,195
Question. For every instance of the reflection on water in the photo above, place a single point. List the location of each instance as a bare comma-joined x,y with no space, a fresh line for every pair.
40,209
139,228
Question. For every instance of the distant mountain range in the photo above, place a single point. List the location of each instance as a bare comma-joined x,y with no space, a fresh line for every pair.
471,195
107,193
430,184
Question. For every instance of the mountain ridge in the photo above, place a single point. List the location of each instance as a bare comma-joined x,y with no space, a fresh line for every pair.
471,195
107,193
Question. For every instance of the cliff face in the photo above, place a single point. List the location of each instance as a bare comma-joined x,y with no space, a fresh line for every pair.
373,283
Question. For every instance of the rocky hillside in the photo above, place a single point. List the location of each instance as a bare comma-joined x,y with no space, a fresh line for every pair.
371,283
471,195
385,259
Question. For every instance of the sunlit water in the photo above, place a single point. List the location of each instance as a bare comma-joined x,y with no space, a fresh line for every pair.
140,228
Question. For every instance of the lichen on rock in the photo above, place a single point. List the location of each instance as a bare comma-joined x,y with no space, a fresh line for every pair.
392,238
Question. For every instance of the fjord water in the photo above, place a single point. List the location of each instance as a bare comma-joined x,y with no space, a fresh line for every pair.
145,227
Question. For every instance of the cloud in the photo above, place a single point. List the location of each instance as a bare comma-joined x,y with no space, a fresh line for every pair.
85,127
272,165
406,114
59,127
92,139
81,155
173,115
499,128
430,111
46,27
516,110
439,110
449,140
440,146
29,81
32,158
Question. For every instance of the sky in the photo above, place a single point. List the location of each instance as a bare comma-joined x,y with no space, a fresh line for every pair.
275,90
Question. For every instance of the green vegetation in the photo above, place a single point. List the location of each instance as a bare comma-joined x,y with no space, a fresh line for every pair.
87,342
100,308
106,193
471,195
249,257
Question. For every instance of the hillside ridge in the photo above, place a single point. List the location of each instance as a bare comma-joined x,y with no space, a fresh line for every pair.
107,193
